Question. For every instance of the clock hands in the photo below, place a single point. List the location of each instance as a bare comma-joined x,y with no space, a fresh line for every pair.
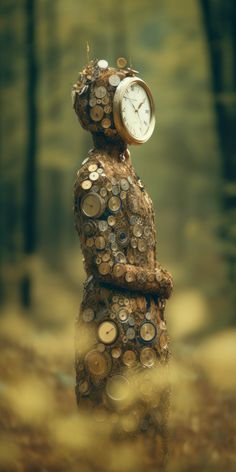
132,99
141,103
140,121
108,332
135,100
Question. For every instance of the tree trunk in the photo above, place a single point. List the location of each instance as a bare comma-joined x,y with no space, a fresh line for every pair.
29,217
219,20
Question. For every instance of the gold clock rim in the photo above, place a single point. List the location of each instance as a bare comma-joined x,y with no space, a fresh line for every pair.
117,115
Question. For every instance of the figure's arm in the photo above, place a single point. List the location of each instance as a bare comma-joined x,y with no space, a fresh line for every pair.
131,277
101,260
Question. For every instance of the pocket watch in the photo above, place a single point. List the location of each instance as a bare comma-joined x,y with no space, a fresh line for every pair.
133,110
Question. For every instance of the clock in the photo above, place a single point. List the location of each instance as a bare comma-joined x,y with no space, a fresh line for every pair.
117,387
148,357
107,332
97,363
133,111
147,331
114,204
129,358
92,205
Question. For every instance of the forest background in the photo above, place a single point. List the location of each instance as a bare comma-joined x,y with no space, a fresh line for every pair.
186,51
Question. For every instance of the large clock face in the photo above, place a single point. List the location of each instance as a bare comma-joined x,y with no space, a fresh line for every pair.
134,111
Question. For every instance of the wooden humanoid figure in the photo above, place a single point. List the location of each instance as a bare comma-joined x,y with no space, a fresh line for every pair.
121,334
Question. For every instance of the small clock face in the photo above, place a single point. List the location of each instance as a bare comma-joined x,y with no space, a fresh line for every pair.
114,204
134,111
148,357
147,332
92,205
107,332
97,363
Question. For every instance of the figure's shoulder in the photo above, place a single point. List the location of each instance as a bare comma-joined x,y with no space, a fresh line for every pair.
98,173
94,172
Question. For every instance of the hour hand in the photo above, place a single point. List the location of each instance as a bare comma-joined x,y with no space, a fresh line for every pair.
141,104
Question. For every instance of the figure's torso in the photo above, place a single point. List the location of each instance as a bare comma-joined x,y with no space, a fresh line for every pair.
127,223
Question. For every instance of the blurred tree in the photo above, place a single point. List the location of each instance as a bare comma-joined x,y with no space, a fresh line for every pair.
11,142
2,206
220,25
52,175
29,215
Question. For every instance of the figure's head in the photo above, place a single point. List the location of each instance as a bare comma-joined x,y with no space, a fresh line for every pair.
113,102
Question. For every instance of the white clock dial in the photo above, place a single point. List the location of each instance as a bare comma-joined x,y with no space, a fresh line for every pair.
136,110
133,110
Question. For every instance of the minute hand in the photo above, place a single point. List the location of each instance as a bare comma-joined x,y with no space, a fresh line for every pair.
132,99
